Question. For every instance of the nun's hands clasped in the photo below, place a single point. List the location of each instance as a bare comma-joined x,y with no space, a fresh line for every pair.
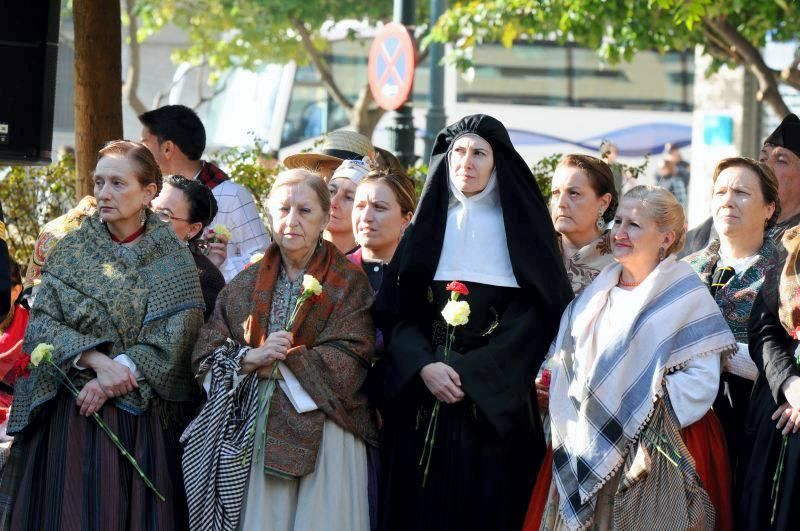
443,382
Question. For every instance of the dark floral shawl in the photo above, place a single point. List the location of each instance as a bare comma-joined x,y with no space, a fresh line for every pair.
586,264
334,339
143,301
735,299
789,284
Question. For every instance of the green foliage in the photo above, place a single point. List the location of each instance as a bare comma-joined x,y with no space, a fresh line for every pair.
617,29
248,33
418,173
249,167
32,196
545,167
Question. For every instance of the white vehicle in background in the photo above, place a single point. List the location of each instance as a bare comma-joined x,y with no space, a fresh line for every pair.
552,98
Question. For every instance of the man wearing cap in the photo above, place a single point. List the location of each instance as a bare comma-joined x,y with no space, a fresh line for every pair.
176,137
781,152
337,147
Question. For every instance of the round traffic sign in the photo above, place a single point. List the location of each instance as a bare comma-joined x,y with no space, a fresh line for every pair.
391,66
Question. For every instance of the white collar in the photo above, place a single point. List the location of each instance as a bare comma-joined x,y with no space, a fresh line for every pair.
475,248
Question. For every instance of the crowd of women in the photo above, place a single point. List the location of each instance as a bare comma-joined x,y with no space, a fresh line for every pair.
667,393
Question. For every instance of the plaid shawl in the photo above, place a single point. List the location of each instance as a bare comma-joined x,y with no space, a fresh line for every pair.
598,411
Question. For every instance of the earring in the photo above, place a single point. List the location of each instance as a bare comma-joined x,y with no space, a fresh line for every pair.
661,254
601,223
143,215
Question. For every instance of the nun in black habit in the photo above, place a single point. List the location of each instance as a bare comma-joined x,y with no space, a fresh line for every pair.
481,220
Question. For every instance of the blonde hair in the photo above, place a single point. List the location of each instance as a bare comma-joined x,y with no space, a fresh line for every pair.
667,213
307,177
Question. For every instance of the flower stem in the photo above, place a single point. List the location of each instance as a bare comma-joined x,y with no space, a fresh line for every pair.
776,479
111,435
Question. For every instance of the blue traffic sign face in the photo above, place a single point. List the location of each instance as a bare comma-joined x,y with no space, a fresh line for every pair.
391,66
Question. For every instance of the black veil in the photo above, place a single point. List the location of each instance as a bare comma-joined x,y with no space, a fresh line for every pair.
535,258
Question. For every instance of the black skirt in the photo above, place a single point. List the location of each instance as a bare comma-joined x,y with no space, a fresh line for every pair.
65,473
759,464
477,480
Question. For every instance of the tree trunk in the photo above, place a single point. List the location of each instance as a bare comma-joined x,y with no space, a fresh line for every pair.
98,84
365,115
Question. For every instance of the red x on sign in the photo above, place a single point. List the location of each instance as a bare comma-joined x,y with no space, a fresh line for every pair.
391,66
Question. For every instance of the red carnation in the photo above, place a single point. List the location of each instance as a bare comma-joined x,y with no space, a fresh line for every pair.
21,366
795,333
458,287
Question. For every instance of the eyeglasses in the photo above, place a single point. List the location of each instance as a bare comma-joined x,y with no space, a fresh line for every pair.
164,215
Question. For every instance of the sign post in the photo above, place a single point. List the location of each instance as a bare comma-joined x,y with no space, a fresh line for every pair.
392,60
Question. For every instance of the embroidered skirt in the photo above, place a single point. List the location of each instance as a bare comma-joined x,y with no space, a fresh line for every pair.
64,473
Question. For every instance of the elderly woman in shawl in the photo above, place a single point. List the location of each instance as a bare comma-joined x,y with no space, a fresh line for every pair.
120,302
299,433
481,221
637,359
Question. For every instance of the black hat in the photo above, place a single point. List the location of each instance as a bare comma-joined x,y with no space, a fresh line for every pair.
787,134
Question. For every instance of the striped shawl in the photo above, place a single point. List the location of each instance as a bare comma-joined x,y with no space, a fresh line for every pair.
599,411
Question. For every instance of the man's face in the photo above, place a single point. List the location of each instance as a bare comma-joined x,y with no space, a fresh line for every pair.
151,142
786,166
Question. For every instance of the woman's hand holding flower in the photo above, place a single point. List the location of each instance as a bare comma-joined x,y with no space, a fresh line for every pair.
91,398
260,359
443,382
217,247
788,414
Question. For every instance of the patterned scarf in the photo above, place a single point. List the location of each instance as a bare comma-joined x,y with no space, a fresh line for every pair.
598,411
789,284
735,298
144,301
587,263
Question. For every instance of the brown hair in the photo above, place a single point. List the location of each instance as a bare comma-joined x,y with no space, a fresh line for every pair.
307,177
401,185
667,213
387,161
766,178
601,178
145,166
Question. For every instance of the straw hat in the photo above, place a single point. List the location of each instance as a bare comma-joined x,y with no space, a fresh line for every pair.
338,146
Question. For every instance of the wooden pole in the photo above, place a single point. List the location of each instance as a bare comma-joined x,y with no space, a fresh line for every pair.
98,83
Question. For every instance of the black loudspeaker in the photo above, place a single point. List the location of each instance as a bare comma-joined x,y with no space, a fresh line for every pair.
28,53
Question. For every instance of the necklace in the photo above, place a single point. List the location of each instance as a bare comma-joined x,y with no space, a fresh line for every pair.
130,238
624,284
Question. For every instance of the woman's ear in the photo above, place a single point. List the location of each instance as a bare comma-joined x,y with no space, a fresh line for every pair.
194,230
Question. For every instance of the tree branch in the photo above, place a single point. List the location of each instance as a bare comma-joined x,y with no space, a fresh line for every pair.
319,65
791,75
131,87
158,98
205,99
752,59
720,46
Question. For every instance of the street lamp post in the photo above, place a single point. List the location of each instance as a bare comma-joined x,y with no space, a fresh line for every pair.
435,119
401,131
